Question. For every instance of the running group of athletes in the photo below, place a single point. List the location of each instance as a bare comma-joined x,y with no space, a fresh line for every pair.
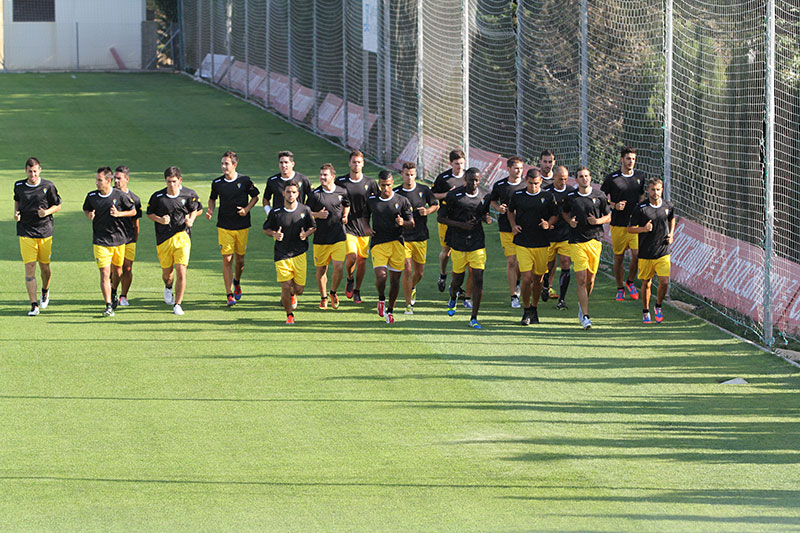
544,224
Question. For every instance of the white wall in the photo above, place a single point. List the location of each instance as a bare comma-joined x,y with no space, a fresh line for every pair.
54,46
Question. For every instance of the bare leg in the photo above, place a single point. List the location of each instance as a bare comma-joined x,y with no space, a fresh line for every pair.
476,275
538,282
227,273
634,266
180,282
238,268
394,288
512,273
380,282
322,280
647,285
444,257
583,293
663,285
336,277
30,281
619,271
126,278
408,282
287,289
361,269
105,284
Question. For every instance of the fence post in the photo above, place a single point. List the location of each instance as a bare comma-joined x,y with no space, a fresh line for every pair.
387,81
769,171
668,37
518,93
211,36
584,81
289,59
228,33
344,71
181,55
77,46
247,48
199,71
465,77
315,117
267,96
364,95
420,87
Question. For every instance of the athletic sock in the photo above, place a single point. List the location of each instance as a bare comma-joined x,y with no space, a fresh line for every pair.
564,284
644,311
230,295
235,282
44,292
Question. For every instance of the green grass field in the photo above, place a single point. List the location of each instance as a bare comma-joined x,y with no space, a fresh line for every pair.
226,419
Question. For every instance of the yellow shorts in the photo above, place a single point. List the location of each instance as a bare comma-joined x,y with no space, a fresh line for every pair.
109,255
507,241
130,251
33,250
325,253
586,255
532,259
442,233
175,250
292,268
621,240
232,241
417,251
557,248
658,267
475,259
358,245
391,255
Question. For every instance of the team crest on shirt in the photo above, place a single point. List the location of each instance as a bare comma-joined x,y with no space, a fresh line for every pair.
302,215
340,197
397,206
420,194
44,190
366,186
183,201
238,185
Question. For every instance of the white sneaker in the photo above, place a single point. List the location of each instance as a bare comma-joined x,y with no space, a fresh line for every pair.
409,310
34,311
168,298
123,302
586,323
515,302
44,301
109,312
178,310
467,303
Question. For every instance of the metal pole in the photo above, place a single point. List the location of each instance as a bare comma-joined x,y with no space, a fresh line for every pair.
584,81
315,117
465,77
181,59
344,71
289,58
420,93
769,172
211,36
77,46
228,39
247,48
387,80
267,96
668,44
380,83
199,36
364,97
518,66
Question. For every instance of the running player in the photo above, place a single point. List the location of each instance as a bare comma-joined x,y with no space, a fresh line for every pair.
443,184
501,194
423,203
463,211
273,192
532,214
559,242
654,222
290,225
330,206
35,202
107,207
122,176
237,195
391,215
547,161
359,187
585,210
625,190
174,209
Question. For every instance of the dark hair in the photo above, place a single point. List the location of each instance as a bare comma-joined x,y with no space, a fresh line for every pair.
533,173
355,153
292,183
408,165
582,167
514,159
124,170
32,162
385,175
233,157
286,153
627,150
172,171
546,152
328,166
457,154
106,172
654,179
471,171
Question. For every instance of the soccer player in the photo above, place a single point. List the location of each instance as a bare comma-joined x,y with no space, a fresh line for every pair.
463,211
35,202
330,206
107,207
532,214
547,161
391,215
174,209
654,223
559,242
423,203
122,176
500,196
443,184
273,192
359,187
237,195
585,210
625,189
290,225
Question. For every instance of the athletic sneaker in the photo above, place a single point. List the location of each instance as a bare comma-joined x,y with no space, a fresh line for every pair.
646,318
461,294
553,294
586,323
231,301
123,302
659,315
290,319
409,310
323,302
44,301
526,318
451,307
441,282
356,297
474,324
545,294
237,292
413,296
517,290
168,299
561,305
177,309
514,302
381,307
34,310
535,316
467,303
294,301
348,288
620,295
334,298
109,312
631,286
114,302
389,318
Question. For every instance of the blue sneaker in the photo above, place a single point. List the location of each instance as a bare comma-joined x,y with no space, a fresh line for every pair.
474,324
451,308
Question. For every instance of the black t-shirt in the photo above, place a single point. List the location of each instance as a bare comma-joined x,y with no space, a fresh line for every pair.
560,232
233,194
529,210
419,196
160,204
329,230
30,199
108,230
653,244
461,207
446,181
358,192
129,223
501,193
580,207
275,185
384,214
292,223
628,188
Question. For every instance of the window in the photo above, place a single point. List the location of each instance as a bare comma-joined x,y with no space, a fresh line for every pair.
34,10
